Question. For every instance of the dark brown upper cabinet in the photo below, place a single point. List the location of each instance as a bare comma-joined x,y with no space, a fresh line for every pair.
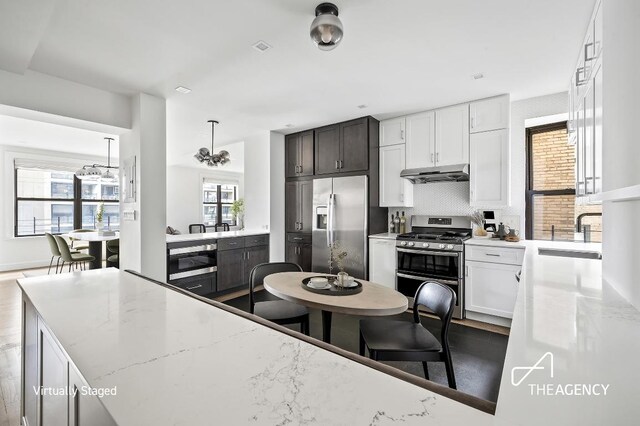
342,147
299,154
298,205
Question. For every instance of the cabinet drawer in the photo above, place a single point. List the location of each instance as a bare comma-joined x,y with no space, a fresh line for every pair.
508,256
299,238
197,285
230,243
256,240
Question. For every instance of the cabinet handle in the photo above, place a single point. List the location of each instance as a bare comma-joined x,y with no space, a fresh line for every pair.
402,198
300,224
297,239
433,160
247,255
341,164
402,134
194,287
437,157
586,54
492,254
337,164
300,169
473,122
580,81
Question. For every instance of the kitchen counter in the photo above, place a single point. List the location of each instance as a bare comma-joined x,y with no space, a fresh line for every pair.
177,360
214,235
384,236
562,245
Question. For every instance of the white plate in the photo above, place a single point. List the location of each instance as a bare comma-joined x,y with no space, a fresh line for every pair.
351,284
323,287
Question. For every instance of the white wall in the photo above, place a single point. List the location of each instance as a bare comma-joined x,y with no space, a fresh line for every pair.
184,193
26,252
257,181
143,241
277,247
52,95
621,149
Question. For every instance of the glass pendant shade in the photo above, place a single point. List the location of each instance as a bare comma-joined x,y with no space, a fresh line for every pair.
81,174
326,29
108,176
208,157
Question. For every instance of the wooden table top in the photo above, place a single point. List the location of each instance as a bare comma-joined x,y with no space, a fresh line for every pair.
374,300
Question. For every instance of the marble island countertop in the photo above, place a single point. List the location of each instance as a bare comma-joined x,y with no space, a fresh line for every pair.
177,360
215,235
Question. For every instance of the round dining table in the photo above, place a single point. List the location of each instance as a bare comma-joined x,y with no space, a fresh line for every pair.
375,300
95,241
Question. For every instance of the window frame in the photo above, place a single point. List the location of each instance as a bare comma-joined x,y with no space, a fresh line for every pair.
219,204
76,200
530,192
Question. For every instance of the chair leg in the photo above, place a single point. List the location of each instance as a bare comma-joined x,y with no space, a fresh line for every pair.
451,378
362,344
61,267
426,370
50,265
70,265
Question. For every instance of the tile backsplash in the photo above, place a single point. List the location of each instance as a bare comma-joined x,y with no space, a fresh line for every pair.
446,199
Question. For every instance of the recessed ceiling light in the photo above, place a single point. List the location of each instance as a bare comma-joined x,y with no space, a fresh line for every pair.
289,125
261,46
363,106
183,89
478,76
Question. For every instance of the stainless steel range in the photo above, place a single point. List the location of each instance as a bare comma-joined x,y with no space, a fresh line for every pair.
433,251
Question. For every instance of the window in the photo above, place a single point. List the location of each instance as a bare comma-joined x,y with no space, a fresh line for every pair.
55,201
217,200
552,210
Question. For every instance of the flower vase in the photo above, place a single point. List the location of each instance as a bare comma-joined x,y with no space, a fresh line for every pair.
99,226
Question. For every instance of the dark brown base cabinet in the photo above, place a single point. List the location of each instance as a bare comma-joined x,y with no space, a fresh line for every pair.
237,257
298,250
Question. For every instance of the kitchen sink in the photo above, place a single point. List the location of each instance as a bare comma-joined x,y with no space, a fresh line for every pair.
579,254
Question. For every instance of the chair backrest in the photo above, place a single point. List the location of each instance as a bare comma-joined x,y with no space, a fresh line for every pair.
113,246
197,228
264,269
439,299
65,253
53,245
225,226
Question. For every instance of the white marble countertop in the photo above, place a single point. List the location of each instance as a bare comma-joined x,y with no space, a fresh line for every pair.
565,308
562,245
385,236
92,236
178,361
215,235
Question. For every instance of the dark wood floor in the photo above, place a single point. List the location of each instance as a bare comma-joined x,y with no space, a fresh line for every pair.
478,355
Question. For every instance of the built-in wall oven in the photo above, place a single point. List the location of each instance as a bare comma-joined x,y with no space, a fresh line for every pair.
193,265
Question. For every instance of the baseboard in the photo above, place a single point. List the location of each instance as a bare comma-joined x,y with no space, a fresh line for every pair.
24,265
491,319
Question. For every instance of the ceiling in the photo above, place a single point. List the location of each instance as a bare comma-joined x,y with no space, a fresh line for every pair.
395,57
39,135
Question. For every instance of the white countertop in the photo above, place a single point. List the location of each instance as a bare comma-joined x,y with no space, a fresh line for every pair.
565,308
384,236
214,235
176,360
562,245
92,236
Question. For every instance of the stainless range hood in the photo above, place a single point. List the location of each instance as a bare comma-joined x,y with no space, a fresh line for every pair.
455,173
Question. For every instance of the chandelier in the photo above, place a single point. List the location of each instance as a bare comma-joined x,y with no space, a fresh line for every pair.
93,171
208,157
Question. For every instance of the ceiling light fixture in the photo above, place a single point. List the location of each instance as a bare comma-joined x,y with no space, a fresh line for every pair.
478,76
183,89
93,172
326,29
289,125
208,157
363,106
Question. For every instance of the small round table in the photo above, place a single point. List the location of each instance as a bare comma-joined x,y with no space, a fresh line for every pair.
375,300
95,244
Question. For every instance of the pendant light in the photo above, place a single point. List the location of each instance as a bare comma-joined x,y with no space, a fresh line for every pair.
208,157
326,29
93,172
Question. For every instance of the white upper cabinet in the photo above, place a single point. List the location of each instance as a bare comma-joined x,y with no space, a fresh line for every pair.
420,141
452,135
489,114
394,190
392,132
489,169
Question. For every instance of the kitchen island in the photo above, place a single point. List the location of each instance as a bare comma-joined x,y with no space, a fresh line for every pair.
176,359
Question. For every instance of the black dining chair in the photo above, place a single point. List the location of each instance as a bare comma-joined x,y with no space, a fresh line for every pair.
397,340
225,226
197,228
279,311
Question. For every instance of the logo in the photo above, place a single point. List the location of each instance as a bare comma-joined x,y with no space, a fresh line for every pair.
553,389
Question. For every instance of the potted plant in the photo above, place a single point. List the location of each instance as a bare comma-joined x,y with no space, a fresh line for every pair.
477,217
237,211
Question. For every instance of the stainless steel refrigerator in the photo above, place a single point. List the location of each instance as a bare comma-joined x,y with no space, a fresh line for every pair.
340,208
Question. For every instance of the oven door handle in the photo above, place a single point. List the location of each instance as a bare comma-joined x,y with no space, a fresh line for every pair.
192,273
193,249
418,278
435,253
